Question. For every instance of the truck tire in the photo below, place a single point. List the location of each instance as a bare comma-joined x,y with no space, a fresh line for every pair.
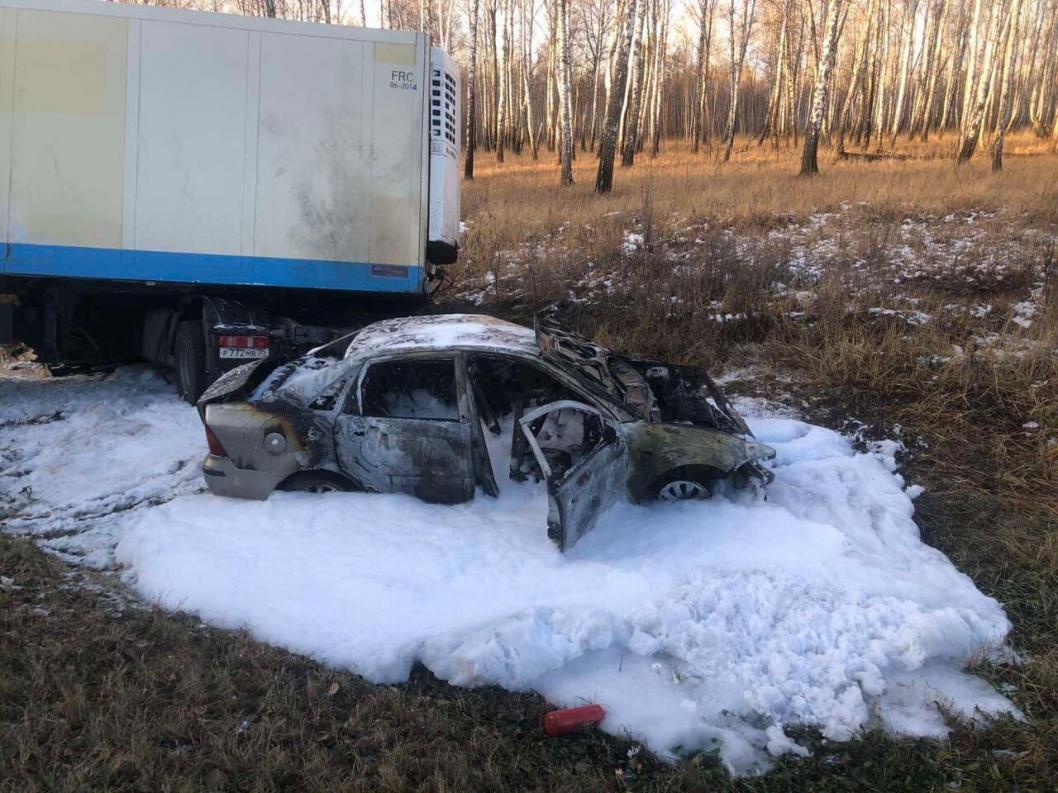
190,354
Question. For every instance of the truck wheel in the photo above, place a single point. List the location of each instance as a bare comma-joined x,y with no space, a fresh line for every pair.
190,360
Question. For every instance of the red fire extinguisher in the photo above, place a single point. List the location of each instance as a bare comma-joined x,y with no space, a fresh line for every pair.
567,720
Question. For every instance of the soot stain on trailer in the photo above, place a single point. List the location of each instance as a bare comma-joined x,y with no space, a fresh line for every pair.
345,213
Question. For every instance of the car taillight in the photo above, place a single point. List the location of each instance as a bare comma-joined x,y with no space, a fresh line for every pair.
214,444
244,342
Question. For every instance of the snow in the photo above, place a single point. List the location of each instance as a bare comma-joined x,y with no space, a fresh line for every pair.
716,625
632,242
442,331
79,455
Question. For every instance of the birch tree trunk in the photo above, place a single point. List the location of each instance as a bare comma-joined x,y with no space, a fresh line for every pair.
472,93
552,67
705,35
878,125
771,119
528,9
809,158
494,94
749,10
951,90
940,18
1006,77
906,52
614,104
635,99
565,81
616,42
793,73
974,51
858,67
501,86
975,116
659,79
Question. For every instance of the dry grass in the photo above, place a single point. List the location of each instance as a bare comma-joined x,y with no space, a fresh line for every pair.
760,185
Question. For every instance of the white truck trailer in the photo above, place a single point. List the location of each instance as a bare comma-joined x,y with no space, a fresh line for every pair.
204,188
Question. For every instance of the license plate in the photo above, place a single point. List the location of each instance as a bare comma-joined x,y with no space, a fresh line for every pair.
242,352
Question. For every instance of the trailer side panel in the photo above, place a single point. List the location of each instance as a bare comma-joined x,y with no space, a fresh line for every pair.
187,148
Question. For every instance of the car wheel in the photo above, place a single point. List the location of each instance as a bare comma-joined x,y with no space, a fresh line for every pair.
317,482
688,483
684,490
190,360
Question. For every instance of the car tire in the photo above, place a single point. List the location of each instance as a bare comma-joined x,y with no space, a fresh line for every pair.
317,482
190,355
685,484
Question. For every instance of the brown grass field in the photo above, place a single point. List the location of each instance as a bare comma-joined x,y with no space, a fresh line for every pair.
814,292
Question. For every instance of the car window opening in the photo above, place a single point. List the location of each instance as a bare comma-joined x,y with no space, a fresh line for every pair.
415,389
565,436
504,389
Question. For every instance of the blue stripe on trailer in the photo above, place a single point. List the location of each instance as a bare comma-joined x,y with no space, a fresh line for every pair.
207,268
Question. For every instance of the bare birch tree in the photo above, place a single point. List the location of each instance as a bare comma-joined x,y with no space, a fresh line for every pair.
635,93
615,103
809,155
1005,78
472,93
565,83
976,115
707,9
739,36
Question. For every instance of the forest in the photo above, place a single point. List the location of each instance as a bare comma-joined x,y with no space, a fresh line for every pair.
622,78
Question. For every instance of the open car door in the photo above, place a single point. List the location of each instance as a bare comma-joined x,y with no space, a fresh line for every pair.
584,458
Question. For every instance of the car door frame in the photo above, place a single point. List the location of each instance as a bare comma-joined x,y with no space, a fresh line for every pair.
578,497
364,433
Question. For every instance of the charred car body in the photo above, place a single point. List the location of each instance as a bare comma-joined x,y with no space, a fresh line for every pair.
404,405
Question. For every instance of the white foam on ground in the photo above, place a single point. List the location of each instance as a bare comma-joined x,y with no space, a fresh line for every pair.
80,455
698,625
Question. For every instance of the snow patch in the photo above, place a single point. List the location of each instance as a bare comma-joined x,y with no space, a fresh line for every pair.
695,625
80,455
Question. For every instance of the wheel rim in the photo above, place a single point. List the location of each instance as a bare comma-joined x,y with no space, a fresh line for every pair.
683,490
323,487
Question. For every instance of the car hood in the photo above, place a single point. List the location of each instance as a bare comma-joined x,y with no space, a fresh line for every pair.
654,391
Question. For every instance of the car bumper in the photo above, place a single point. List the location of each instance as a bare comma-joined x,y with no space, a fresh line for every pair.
224,479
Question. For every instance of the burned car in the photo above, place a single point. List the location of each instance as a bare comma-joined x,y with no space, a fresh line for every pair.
413,405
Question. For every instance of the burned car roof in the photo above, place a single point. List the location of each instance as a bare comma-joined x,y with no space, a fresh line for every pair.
442,331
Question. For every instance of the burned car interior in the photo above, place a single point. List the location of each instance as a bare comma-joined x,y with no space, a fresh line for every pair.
416,389
505,388
654,390
441,406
